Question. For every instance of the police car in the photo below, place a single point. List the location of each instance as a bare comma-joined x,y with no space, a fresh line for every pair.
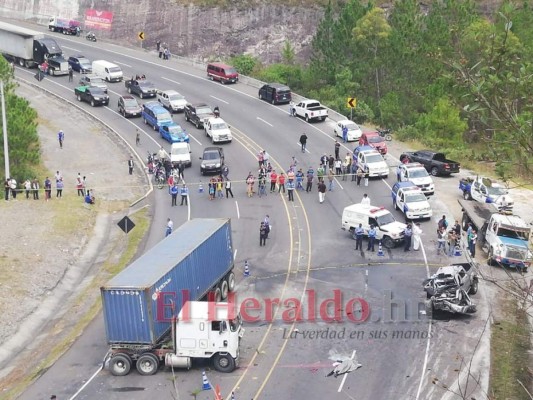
417,174
371,161
409,199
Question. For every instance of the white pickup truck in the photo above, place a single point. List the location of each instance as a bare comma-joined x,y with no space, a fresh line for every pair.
310,110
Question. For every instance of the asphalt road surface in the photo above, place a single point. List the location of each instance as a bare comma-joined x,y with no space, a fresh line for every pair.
401,354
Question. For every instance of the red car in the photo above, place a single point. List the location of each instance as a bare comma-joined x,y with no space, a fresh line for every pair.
375,140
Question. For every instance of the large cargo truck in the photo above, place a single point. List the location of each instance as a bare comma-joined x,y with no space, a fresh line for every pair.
29,49
141,303
504,237
64,26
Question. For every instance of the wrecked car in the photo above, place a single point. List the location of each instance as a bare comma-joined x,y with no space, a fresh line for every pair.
448,289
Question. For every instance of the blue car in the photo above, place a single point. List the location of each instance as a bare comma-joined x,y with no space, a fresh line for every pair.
173,133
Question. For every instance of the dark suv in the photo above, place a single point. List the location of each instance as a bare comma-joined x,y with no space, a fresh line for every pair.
212,160
275,93
128,106
80,64
196,114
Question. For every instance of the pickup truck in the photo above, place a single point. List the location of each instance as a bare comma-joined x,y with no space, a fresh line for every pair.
435,163
448,289
141,88
197,114
310,110
504,237
484,190
93,95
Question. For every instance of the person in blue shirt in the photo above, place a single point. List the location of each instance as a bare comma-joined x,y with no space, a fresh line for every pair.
290,189
408,234
184,191
299,179
345,134
371,238
358,235
174,194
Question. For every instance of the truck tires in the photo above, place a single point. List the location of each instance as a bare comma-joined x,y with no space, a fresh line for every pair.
231,282
129,90
306,118
224,289
78,97
120,365
387,242
474,287
434,171
223,363
147,364
218,295
467,195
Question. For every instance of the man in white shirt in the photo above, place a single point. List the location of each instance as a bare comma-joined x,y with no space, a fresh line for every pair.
170,227
365,200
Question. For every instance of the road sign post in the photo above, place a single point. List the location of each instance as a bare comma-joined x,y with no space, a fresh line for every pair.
351,103
140,36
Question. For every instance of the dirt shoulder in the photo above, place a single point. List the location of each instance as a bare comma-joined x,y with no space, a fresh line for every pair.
49,249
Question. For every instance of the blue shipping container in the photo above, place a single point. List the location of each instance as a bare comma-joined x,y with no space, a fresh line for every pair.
139,302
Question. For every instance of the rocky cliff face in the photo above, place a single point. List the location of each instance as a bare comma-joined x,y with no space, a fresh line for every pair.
189,30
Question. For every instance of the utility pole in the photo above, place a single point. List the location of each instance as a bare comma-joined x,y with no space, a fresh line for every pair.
4,128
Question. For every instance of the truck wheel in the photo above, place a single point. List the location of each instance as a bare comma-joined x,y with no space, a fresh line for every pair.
224,363
323,118
474,287
154,127
387,242
306,118
224,289
120,365
395,206
260,96
129,90
434,171
490,259
78,97
92,103
186,117
197,124
145,122
273,102
465,221
218,295
467,195
147,364
231,281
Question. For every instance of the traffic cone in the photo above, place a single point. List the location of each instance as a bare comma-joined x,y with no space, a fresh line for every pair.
380,250
205,383
232,395
246,269
218,396
457,251
200,188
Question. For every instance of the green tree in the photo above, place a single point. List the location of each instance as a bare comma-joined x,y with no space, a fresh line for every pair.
323,54
244,63
442,126
287,53
23,141
372,32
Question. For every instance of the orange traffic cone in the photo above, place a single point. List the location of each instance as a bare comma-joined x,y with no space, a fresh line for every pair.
218,396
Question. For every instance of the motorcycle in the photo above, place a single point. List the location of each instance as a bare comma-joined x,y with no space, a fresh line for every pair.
216,111
91,36
160,177
385,133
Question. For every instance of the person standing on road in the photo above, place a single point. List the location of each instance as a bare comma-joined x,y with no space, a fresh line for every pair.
262,234
228,189
338,166
174,194
130,165
452,242
267,224
416,236
441,240
303,142
358,234
442,223
331,178
472,239
360,173
137,137
184,192
321,191
169,228
47,189
35,188
158,46
61,138
273,180
337,149
408,234
281,183
70,74
27,187
371,238
310,177
13,186
347,165
290,189
345,134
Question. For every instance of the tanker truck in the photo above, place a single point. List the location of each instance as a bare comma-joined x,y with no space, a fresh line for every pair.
29,49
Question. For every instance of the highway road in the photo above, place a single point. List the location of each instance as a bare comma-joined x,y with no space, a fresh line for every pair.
401,355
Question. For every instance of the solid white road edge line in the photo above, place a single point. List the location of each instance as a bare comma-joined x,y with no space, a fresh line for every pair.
238,213
86,383
345,375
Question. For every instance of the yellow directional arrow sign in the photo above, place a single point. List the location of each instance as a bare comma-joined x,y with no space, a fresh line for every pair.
140,35
351,102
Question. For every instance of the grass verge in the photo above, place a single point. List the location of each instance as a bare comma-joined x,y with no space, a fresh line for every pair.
89,301
510,345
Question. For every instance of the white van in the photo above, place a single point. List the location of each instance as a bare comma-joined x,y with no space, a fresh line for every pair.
107,70
180,152
389,231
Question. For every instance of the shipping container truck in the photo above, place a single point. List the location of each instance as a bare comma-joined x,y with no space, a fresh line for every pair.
29,49
64,26
140,303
